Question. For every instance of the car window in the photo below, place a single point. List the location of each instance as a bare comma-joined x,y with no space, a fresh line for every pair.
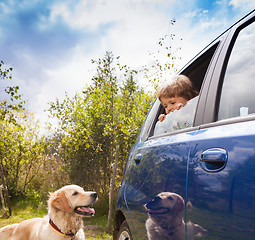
184,118
237,94
179,119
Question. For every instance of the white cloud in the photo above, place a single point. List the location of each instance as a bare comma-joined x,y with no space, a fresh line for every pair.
243,4
92,14
134,26
86,13
213,23
4,8
196,13
135,30
129,28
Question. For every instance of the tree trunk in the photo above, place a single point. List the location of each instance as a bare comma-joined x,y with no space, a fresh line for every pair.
3,202
6,190
111,190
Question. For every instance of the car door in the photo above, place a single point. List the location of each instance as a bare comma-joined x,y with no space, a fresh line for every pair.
221,168
157,164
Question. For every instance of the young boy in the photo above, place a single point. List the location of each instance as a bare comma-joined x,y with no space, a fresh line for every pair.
175,95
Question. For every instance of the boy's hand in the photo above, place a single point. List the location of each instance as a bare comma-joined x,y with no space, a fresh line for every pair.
162,117
178,106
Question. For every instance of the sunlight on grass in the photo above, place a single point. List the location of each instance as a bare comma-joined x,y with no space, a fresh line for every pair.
24,210
93,236
20,214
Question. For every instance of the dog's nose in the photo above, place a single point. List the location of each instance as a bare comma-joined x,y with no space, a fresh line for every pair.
94,195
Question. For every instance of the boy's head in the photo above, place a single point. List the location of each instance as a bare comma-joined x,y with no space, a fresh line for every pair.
177,92
180,87
173,103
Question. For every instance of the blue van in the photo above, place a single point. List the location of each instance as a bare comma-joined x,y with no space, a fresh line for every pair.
192,176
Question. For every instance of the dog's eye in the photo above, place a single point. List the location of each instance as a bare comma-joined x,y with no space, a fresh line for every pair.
170,198
75,193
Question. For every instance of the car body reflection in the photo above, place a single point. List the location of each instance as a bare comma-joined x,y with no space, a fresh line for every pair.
165,221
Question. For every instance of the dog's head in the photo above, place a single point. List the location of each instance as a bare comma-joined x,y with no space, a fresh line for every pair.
73,199
165,205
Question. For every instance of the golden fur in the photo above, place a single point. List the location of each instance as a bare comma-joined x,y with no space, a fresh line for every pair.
66,207
165,220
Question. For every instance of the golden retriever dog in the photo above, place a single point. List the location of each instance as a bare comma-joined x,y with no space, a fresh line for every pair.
165,220
66,208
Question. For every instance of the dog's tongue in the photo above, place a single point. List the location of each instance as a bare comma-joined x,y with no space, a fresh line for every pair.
87,210
160,210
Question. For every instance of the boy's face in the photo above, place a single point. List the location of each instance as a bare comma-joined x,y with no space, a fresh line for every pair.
172,103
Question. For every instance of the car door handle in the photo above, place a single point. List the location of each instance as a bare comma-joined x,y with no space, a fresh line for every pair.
138,158
214,159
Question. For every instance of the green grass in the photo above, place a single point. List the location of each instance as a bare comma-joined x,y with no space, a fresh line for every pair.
27,209
98,235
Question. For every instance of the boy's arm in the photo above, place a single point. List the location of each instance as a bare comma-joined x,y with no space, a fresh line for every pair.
162,117
179,106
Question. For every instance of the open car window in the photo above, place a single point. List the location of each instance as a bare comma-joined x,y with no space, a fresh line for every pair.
196,71
178,119
184,117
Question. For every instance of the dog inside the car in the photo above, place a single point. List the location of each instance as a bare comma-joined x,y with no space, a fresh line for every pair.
165,220
66,208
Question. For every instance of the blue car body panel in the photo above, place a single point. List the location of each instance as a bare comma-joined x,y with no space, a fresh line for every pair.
224,201
163,168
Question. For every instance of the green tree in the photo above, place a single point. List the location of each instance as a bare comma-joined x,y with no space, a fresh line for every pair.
100,126
7,111
21,151
11,102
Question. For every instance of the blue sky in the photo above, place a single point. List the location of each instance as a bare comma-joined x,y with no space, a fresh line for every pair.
50,43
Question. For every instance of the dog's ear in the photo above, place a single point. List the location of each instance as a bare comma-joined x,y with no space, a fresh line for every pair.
60,201
179,206
189,205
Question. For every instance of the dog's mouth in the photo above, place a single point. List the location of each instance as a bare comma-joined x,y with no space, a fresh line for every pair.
158,210
85,211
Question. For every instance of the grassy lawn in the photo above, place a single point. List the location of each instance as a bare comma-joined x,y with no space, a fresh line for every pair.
94,227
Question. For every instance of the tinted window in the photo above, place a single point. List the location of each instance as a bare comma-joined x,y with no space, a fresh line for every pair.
237,96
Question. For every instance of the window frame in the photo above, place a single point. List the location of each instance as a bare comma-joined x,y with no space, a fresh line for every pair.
152,117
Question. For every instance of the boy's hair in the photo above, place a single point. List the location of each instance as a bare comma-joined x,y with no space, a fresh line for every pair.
180,87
